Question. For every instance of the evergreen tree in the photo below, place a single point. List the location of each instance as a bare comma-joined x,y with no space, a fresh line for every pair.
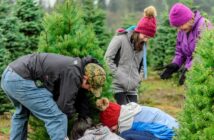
13,40
30,15
5,103
197,117
102,4
162,47
131,19
7,39
19,31
39,131
66,32
4,13
95,17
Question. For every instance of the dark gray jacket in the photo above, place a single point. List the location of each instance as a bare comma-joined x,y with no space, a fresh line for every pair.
126,77
61,75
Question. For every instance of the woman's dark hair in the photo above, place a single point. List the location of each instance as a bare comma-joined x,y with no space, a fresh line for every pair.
136,41
79,128
135,37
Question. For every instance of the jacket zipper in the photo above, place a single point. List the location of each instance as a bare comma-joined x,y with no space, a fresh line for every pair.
130,72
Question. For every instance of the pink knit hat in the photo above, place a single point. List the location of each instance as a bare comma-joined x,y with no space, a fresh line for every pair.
179,14
110,112
147,25
109,117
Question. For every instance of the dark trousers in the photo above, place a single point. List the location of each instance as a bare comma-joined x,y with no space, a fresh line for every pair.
137,135
124,98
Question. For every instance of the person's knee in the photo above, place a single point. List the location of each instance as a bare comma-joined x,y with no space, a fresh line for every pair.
64,119
57,126
58,121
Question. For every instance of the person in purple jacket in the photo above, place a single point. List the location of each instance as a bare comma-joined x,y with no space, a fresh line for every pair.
190,25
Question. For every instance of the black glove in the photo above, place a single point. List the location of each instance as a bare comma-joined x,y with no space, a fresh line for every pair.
170,69
182,77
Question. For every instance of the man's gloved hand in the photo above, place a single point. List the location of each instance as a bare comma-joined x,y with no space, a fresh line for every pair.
182,77
170,69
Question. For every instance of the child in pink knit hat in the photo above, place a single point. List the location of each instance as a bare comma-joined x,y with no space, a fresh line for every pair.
190,24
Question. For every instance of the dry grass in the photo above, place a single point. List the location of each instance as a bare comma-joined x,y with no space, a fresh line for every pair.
163,94
4,128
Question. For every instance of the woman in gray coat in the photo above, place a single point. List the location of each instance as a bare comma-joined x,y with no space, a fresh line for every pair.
124,55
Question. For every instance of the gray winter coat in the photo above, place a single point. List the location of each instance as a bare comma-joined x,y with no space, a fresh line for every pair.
126,77
100,133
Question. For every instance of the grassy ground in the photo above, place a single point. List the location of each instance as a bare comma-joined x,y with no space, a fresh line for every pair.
4,127
164,94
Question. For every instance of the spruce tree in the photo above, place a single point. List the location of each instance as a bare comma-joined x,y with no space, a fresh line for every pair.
13,40
131,19
66,32
30,15
4,12
19,31
162,47
197,117
95,17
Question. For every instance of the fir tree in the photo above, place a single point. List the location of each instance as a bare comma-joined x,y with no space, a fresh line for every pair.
19,31
95,17
162,47
4,12
197,117
13,40
30,15
131,19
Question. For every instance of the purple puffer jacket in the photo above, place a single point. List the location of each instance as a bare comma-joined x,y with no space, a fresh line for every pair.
185,45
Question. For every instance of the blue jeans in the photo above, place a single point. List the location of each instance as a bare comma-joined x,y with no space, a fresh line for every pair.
27,98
